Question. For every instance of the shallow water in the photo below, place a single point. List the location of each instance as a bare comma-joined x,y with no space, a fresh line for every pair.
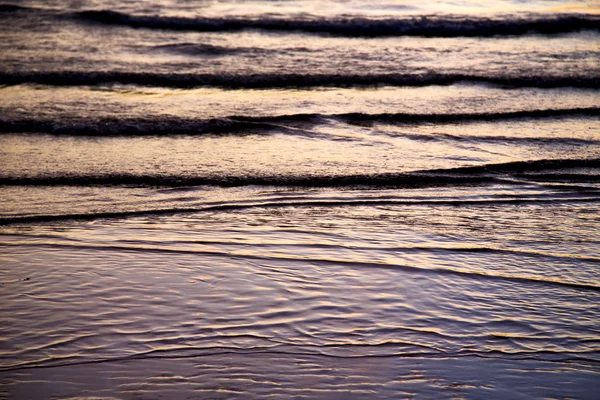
299,200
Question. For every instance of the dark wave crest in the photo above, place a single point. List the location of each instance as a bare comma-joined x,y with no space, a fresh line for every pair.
268,81
203,49
524,166
10,8
466,117
156,126
160,125
462,176
449,138
356,27
379,180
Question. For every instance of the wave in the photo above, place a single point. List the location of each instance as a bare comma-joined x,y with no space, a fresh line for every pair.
282,81
239,124
486,174
91,216
283,349
446,137
10,8
466,117
203,49
408,180
523,166
135,126
425,26
343,26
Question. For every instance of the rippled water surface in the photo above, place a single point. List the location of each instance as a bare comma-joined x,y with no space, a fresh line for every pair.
299,199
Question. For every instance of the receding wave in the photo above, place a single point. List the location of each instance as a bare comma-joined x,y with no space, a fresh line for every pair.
44,218
276,80
431,26
335,351
522,279
235,124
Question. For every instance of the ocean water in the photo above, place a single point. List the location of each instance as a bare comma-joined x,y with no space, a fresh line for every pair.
299,199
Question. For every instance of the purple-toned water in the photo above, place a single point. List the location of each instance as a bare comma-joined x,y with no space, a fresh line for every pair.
299,199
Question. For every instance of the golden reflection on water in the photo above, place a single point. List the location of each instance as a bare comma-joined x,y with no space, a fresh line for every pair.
592,7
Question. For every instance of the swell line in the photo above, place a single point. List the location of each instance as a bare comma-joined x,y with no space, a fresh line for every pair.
524,166
413,118
424,26
281,81
408,180
494,139
171,125
293,204
11,8
235,252
394,249
153,126
357,264
341,26
198,352
553,169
